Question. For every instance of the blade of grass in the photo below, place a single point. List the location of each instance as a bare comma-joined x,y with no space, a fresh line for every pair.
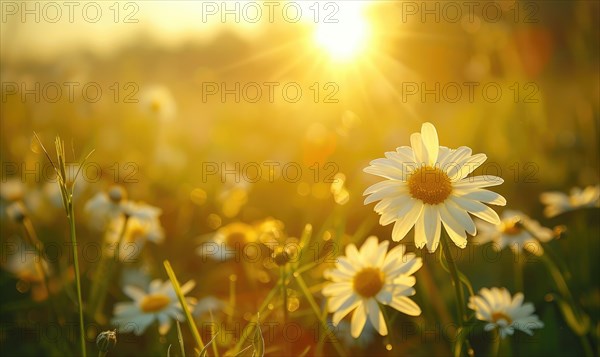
184,306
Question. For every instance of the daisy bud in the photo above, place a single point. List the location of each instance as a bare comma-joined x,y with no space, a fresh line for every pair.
117,194
16,211
106,340
281,257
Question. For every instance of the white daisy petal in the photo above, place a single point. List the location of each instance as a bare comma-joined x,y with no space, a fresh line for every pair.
478,182
454,229
419,150
432,227
376,317
403,225
406,305
359,318
431,143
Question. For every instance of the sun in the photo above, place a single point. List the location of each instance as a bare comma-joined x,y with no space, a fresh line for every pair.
345,39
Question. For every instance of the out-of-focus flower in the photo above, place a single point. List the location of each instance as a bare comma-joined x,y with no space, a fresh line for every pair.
209,304
233,197
158,102
105,206
338,189
500,310
158,303
516,231
229,241
137,232
558,202
22,260
16,211
362,279
427,186
12,190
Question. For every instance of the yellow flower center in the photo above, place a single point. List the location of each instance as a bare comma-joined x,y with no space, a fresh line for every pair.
430,185
154,302
512,227
155,105
368,282
497,316
236,239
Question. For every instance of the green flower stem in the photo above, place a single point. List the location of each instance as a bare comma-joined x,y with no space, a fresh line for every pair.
104,273
577,320
71,217
519,273
261,311
101,354
184,305
317,311
284,300
460,296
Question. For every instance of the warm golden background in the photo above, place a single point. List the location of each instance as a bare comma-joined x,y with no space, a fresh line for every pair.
155,130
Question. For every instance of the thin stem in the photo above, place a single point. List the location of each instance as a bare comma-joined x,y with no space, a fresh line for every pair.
495,349
460,296
104,274
285,304
71,218
518,273
101,354
184,305
577,320
317,311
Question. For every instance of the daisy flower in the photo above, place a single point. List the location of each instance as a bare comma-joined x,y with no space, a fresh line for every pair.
427,186
364,278
158,102
137,232
229,241
159,303
28,268
500,310
516,231
557,202
104,206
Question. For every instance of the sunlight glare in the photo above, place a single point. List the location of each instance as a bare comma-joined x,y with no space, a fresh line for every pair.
347,38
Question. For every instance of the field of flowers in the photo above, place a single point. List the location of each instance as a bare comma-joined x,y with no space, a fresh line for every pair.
300,178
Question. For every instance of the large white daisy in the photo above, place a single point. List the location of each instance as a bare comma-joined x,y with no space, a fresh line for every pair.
158,303
516,231
427,186
500,310
363,278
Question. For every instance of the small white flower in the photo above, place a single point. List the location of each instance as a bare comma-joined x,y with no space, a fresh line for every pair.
362,279
427,186
158,303
558,202
105,206
12,190
500,310
137,232
207,305
229,241
158,102
516,231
